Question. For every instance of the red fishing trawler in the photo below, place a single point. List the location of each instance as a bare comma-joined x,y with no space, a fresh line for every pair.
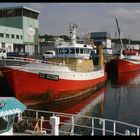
128,59
70,70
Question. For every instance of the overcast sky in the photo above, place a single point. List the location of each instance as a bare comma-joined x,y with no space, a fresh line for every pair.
55,18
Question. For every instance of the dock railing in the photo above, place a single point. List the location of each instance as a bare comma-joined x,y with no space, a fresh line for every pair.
21,61
56,123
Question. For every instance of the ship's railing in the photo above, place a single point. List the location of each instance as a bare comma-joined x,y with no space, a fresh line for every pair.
76,124
20,61
26,60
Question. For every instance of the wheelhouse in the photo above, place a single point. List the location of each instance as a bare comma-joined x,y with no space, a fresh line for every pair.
74,51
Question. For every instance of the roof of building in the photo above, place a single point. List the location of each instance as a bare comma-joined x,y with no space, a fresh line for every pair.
101,35
19,7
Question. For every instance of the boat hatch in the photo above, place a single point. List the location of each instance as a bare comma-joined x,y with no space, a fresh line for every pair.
9,107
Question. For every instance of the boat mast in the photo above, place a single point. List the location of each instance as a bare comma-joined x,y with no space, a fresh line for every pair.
72,29
121,55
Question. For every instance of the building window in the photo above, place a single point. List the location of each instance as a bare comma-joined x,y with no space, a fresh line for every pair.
30,14
21,36
12,36
10,12
7,35
1,35
17,36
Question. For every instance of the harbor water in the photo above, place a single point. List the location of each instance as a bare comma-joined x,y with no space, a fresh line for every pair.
119,100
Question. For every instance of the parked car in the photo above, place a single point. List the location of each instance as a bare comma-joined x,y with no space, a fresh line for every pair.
17,54
5,54
49,54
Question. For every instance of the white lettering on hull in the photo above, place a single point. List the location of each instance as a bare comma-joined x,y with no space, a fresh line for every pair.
10,112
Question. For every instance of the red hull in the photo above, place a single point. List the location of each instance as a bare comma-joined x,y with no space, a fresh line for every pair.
122,66
126,78
28,86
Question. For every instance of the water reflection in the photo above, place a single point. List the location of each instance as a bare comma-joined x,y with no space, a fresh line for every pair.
122,79
123,98
85,105
126,82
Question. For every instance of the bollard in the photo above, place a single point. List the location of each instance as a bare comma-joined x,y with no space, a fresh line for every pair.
55,121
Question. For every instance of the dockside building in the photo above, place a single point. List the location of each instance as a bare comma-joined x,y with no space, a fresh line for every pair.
19,30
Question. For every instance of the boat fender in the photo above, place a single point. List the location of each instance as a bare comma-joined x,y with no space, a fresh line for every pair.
21,126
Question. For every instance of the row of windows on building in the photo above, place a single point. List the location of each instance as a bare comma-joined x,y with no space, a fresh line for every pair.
18,12
13,36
